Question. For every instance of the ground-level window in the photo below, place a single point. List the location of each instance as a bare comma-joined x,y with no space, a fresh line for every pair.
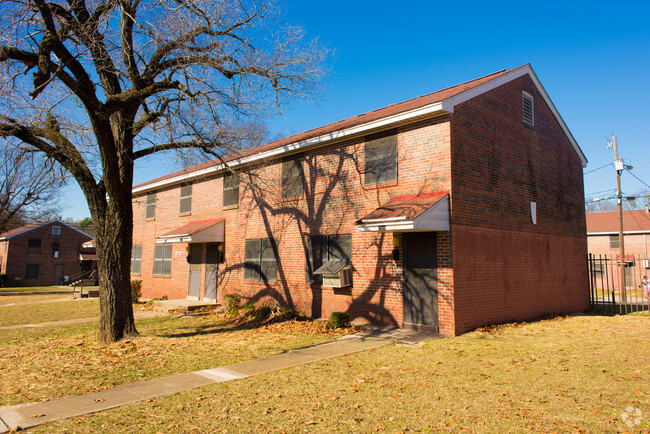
162,260
323,248
136,259
31,271
260,262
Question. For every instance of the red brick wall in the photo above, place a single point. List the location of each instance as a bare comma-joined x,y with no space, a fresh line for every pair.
635,244
506,267
18,256
335,197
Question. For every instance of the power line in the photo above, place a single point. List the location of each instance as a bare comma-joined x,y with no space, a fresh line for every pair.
639,179
602,167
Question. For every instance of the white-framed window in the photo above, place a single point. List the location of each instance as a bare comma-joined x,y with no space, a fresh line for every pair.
56,230
528,108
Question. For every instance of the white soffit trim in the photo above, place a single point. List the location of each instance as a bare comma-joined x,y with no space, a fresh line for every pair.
616,233
212,234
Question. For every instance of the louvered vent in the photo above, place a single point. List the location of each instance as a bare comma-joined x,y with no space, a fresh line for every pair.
528,109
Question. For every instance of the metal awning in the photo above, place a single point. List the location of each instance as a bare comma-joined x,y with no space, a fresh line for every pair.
332,267
204,231
412,213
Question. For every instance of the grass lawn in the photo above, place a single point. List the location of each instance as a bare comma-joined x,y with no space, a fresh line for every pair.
54,362
15,295
560,375
44,312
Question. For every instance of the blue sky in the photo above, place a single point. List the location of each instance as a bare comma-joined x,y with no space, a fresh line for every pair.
593,58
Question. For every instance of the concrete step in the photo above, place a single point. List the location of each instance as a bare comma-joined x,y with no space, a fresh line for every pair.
181,305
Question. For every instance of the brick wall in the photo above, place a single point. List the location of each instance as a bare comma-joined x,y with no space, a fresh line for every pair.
18,255
506,267
635,244
335,197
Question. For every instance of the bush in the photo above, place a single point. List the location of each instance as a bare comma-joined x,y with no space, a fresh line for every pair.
136,293
3,279
338,320
264,311
232,303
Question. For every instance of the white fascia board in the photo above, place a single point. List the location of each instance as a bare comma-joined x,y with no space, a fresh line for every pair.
58,222
173,239
616,233
428,110
448,104
387,219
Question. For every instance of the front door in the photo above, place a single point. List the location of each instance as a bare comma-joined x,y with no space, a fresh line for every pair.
421,280
195,270
59,270
211,267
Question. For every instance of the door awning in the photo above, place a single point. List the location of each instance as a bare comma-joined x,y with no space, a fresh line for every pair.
412,213
204,231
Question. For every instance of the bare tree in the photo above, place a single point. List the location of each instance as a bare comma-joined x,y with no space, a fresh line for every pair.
29,187
113,81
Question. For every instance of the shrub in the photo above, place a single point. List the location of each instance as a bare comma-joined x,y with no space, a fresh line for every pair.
338,320
136,293
232,303
264,311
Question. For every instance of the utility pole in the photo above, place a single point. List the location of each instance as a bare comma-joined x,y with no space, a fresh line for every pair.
618,164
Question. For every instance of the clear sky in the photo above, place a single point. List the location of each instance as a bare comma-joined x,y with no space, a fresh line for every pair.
593,59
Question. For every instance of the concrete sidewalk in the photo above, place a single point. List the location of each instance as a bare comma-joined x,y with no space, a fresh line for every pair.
33,414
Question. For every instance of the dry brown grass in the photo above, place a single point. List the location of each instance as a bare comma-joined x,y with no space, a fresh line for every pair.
10,296
34,313
571,374
42,364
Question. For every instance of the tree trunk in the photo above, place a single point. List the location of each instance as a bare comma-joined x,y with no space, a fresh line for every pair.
114,253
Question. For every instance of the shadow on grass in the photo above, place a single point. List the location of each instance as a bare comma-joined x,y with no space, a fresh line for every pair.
225,324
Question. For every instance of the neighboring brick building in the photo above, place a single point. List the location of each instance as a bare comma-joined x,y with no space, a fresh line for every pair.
41,254
453,210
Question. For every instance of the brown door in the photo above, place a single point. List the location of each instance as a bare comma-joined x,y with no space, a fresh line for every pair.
421,280
195,270
59,270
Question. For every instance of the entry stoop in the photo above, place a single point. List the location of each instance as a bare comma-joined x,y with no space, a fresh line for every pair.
167,306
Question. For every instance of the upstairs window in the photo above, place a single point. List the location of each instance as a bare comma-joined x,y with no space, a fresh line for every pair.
260,261
614,242
323,248
162,260
293,177
56,247
528,109
136,259
56,230
381,158
186,198
230,190
34,245
151,206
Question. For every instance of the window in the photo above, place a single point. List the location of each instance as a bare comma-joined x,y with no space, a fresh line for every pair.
325,248
56,247
136,259
31,271
230,190
260,261
613,242
56,230
34,245
293,177
151,206
381,158
162,260
186,198
529,117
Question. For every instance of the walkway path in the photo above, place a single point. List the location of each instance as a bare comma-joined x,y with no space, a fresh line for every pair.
33,414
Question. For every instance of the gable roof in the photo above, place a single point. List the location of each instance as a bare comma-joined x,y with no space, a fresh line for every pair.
30,227
606,223
438,103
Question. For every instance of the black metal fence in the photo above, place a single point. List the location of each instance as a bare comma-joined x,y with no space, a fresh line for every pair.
606,293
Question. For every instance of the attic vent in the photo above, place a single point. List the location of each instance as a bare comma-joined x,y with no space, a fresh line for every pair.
528,108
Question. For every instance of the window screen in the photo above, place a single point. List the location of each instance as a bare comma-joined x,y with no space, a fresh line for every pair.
56,230
34,245
186,198
151,206
230,190
31,271
136,259
260,262
293,177
613,242
162,260
381,158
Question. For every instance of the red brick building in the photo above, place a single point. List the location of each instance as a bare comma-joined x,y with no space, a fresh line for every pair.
602,233
41,254
456,209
